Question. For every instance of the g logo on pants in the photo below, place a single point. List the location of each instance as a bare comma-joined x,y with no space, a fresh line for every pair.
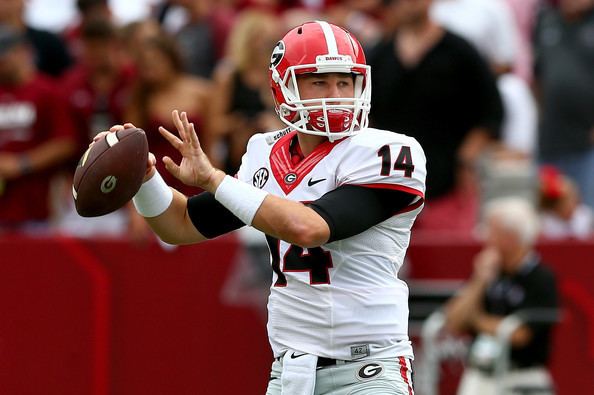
370,371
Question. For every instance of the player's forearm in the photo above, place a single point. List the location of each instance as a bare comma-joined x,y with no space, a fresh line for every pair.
292,222
281,218
174,226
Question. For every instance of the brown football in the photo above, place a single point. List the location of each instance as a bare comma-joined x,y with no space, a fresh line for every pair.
110,172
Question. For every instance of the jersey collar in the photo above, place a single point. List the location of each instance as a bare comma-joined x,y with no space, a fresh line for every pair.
289,175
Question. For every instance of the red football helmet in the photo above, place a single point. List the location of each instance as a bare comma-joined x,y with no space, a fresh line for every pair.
320,47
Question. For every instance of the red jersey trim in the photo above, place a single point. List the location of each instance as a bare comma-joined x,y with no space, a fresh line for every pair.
411,207
287,175
396,187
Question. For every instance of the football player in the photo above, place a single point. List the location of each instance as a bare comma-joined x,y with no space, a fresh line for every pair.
336,200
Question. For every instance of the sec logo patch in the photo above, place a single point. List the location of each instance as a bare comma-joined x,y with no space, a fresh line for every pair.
260,177
369,371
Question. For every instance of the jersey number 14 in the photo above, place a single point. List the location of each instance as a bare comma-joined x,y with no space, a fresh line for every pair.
403,161
316,261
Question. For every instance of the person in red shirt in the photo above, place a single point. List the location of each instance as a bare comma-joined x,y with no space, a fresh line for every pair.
36,135
162,85
97,88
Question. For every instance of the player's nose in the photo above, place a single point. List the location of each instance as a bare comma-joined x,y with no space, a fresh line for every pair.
334,90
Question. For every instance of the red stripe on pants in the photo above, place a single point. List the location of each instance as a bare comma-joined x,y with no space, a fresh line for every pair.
404,374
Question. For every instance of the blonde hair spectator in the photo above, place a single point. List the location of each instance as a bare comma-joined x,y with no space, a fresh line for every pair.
246,36
243,104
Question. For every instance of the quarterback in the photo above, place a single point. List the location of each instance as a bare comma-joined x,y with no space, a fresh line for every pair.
336,200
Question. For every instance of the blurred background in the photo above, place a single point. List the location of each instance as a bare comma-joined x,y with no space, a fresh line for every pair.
500,93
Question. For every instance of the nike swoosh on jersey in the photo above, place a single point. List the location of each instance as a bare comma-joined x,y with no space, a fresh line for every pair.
311,182
293,355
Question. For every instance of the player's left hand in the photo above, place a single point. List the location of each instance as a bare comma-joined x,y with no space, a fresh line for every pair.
195,168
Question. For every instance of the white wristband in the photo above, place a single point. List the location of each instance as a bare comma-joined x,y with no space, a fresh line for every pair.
242,199
153,197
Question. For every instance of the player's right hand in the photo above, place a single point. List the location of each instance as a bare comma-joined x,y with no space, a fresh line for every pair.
195,168
152,160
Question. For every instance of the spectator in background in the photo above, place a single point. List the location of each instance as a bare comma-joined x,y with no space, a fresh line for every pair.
134,35
360,18
161,85
243,104
173,15
88,10
50,53
98,90
564,50
491,27
194,32
508,277
524,12
488,24
434,86
36,135
563,214
98,85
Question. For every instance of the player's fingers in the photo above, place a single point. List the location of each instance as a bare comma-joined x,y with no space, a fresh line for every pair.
151,164
173,139
129,125
194,141
189,131
178,123
99,136
186,125
116,128
185,133
171,166
152,160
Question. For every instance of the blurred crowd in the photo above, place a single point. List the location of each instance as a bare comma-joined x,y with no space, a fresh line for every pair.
500,94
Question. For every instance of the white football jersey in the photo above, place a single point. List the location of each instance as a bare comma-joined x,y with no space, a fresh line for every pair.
342,300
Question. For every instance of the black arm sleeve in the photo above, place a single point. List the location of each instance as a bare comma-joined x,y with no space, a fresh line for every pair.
351,209
210,217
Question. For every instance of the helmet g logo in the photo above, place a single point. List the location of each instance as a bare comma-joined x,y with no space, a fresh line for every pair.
277,54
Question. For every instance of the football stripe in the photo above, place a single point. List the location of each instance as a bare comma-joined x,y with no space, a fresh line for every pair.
112,139
85,156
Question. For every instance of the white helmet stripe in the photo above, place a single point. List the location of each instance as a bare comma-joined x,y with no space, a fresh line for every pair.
330,39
